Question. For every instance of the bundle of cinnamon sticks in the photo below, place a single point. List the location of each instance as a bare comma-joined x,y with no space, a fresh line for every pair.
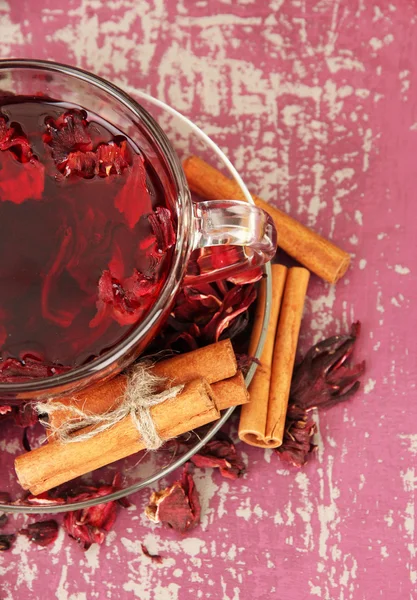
212,382
211,379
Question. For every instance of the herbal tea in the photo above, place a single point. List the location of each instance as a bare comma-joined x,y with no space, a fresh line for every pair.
86,237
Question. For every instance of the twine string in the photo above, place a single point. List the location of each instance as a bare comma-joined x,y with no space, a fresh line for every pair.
141,394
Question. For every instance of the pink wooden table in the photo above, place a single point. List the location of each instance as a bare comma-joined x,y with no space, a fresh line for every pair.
315,102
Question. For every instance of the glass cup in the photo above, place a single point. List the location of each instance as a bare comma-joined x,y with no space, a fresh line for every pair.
200,226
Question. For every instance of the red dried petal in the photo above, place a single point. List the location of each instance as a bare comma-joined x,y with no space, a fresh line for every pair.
83,534
236,302
29,367
102,515
154,557
89,525
206,313
125,300
324,378
184,341
108,159
20,182
177,506
41,533
6,541
13,139
218,257
112,158
67,134
19,146
134,200
124,502
237,325
106,293
248,276
81,163
26,415
220,453
194,306
298,437
161,223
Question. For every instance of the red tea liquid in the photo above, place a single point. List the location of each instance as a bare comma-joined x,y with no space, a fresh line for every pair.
85,236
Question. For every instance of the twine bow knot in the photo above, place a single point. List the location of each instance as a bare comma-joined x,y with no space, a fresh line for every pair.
141,394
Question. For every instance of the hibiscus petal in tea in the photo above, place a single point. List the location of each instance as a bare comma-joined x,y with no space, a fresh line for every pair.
86,236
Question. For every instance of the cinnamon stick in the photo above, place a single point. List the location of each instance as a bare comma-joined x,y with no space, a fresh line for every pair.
310,249
230,392
254,418
214,363
285,349
54,463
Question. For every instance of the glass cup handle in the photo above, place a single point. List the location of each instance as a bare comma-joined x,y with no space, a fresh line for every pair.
230,236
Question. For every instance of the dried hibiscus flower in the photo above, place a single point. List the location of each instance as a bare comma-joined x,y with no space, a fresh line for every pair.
21,182
12,138
123,300
22,176
205,313
108,159
134,187
197,304
182,340
236,301
41,533
177,506
220,453
298,437
83,164
322,379
90,525
112,158
68,133
29,367
161,223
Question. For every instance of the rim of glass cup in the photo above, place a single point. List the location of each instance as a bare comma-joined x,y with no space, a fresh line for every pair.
181,252
126,99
